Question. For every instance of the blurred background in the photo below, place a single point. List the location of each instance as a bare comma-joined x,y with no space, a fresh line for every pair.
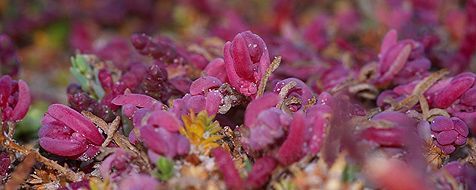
45,34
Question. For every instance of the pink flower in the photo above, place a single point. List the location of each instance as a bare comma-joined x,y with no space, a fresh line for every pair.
261,172
292,148
393,136
131,102
301,91
139,182
65,132
266,123
246,61
15,99
215,69
449,133
227,168
163,142
118,165
400,61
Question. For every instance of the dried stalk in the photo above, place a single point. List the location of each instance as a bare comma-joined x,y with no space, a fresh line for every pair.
11,145
262,85
21,172
419,89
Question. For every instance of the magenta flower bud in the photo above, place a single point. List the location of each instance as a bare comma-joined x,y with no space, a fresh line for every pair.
292,148
387,137
400,62
164,119
215,69
227,168
213,100
469,97
164,142
453,91
138,100
300,91
268,100
203,84
455,169
128,110
268,127
106,81
117,166
15,99
209,102
139,182
449,133
261,171
66,132
441,123
396,119
246,61
319,119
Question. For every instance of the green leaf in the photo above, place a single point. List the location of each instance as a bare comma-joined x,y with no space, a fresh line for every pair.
248,165
350,173
97,86
165,169
83,81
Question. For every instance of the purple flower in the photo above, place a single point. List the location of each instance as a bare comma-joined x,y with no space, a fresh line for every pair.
132,102
139,182
215,69
446,92
393,134
65,132
400,61
15,99
266,123
246,61
292,148
449,133
163,142
118,165
318,119
300,91
227,168
261,172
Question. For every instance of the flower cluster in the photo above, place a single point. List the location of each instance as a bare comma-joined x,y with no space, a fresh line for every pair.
271,100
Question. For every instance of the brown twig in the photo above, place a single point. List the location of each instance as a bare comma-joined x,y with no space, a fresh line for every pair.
272,67
11,129
11,145
21,172
419,89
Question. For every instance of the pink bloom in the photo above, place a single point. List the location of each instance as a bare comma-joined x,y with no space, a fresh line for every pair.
118,165
261,172
215,69
449,133
292,148
318,120
139,182
15,99
163,142
301,91
400,61
246,61
227,168
66,132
